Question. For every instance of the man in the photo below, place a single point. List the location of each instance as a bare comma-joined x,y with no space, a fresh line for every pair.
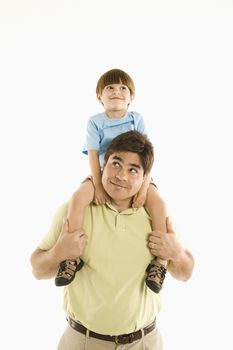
108,304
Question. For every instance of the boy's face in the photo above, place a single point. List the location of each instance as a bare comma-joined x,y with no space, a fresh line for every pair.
123,176
115,98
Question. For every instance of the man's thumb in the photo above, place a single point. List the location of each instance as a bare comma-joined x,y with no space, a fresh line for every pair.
169,225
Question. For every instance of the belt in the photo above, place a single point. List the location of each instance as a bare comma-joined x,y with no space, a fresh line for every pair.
118,339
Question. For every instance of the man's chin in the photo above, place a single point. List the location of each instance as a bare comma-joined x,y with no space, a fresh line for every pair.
120,197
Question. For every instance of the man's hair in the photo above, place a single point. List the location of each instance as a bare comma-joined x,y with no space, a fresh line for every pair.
115,76
135,142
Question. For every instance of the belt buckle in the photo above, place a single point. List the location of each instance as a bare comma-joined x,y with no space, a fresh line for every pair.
131,338
127,336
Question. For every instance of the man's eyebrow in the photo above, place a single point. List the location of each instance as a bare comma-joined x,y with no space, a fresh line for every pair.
117,158
130,164
135,165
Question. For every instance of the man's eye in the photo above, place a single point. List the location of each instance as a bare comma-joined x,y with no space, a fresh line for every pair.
116,164
133,171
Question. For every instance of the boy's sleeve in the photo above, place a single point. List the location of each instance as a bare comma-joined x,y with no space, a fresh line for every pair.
55,229
139,123
92,137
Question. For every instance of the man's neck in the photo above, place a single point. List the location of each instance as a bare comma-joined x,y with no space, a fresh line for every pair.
121,205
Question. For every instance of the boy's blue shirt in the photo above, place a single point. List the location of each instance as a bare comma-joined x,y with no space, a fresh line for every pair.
101,130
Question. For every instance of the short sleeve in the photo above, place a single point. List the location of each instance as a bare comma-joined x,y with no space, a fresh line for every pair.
55,229
92,137
139,123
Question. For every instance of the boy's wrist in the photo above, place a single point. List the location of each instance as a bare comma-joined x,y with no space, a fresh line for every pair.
143,190
97,179
97,183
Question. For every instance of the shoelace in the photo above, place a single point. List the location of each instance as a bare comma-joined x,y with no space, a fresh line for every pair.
62,266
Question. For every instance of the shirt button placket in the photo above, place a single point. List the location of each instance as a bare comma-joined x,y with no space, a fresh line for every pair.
120,224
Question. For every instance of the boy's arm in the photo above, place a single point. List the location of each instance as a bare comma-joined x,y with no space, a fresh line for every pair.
100,195
95,167
146,182
149,196
140,197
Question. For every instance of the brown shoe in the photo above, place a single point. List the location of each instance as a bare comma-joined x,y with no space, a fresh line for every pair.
67,271
155,275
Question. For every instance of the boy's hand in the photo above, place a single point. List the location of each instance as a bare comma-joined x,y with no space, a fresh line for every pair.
139,198
101,197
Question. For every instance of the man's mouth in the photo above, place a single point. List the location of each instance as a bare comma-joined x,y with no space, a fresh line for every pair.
117,184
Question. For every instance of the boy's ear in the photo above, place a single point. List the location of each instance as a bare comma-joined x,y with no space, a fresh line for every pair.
131,99
99,99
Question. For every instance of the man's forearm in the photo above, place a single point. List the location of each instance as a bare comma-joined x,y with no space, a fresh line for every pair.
182,267
44,263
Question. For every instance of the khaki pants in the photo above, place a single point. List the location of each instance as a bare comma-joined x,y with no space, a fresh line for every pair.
73,340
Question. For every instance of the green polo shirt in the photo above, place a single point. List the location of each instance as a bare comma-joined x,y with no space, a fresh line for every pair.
109,294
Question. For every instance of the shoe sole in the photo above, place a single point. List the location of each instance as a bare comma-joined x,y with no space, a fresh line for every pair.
153,286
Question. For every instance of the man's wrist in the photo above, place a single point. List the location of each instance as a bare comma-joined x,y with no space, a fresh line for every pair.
56,256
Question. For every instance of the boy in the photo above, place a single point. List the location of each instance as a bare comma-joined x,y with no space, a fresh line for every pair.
115,91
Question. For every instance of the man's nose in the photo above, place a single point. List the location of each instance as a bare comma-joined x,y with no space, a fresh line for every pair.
121,174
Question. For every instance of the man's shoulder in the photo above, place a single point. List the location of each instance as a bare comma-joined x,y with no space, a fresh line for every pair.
62,209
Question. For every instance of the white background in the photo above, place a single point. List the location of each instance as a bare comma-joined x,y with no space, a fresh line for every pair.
179,53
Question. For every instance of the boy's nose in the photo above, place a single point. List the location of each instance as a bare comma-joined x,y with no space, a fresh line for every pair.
116,90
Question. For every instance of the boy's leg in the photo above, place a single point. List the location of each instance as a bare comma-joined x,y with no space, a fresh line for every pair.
80,200
156,270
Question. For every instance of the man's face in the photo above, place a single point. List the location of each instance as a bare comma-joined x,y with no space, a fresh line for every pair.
123,175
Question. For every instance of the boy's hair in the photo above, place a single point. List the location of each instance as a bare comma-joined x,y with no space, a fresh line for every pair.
135,142
115,76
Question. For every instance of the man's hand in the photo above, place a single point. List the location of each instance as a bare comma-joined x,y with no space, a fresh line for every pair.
165,244
70,245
